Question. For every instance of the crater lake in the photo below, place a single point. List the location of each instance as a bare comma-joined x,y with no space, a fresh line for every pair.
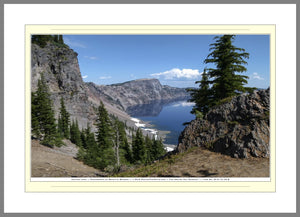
165,116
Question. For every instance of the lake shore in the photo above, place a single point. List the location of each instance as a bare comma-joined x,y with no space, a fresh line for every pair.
150,130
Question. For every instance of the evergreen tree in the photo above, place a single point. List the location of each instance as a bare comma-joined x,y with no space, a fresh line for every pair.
35,124
88,151
223,81
89,138
103,125
105,150
116,142
41,40
228,60
64,120
60,39
149,157
127,151
125,147
138,147
75,135
55,38
83,138
122,149
158,149
202,96
43,120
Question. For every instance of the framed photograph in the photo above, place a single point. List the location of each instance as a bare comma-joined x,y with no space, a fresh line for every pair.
150,108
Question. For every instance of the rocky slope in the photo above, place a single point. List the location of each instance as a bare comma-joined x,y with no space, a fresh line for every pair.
58,162
138,92
239,128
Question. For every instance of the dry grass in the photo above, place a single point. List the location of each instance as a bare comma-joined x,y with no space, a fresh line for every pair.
58,162
199,162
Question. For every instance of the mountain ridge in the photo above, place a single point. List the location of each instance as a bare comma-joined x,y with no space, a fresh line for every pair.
137,92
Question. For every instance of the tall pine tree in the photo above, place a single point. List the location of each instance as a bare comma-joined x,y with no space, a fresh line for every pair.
64,120
103,125
104,137
138,147
75,135
122,149
222,81
35,123
148,150
229,60
89,138
89,150
157,148
202,96
43,120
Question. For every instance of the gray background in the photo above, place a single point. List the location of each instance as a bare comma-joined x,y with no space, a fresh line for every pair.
136,2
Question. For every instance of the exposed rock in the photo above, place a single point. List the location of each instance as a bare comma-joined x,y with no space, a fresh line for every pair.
60,68
138,92
239,128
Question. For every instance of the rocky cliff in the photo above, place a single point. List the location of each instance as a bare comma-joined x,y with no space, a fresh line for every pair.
239,128
138,92
60,67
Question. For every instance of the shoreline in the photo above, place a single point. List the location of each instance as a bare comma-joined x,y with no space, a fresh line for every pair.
148,129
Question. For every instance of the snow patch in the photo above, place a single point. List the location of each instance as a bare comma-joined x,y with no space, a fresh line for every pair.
135,120
168,149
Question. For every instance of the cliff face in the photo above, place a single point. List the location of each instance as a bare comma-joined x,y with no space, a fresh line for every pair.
239,128
60,68
138,92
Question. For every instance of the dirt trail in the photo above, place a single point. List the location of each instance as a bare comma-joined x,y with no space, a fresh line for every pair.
58,162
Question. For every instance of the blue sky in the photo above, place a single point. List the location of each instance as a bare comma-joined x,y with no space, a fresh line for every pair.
176,60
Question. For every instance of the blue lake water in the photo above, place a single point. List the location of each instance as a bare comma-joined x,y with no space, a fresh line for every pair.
166,117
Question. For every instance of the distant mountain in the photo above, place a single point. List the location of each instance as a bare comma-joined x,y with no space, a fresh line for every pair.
138,92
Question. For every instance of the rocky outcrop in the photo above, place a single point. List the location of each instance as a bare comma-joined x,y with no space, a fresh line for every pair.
239,128
138,92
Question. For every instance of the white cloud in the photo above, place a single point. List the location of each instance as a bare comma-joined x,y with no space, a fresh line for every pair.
178,73
71,43
84,76
256,76
104,77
